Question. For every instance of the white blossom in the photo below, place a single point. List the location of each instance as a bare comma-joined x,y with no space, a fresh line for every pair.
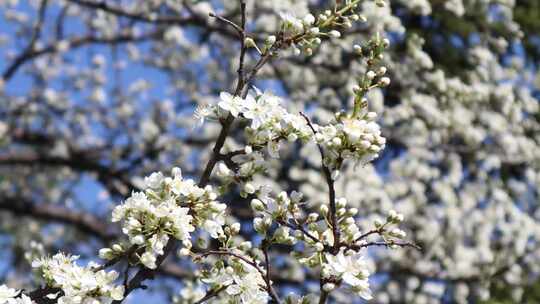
78,284
169,207
352,269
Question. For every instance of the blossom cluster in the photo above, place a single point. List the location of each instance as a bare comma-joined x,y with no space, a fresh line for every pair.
269,121
168,207
347,137
281,208
78,284
313,29
13,296
356,138
350,267
243,282
314,230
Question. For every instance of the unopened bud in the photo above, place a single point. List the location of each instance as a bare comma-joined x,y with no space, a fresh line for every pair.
385,81
270,40
257,205
334,34
250,43
329,287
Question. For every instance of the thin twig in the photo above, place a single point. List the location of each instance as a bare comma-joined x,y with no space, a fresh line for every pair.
331,191
229,22
386,244
210,294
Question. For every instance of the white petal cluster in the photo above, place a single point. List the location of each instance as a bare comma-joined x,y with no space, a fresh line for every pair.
358,139
292,23
168,207
244,283
281,207
7,293
11,296
350,267
78,284
190,293
269,121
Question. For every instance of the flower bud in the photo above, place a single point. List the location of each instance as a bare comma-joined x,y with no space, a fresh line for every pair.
324,209
281,233
223,170
235,228
398,233
270,40
250,43
385,81
258,225
257,205
148,260
312,217
138,239
106,253
334,34
292,137
329,287
309,19
341,202
336,141
371,115
184,252
249,188
314,30
246,245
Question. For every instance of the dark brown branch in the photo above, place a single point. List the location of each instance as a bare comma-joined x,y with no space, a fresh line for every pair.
30,48
264,247
102,5
331,191
74,43
79,162
84,222
333,212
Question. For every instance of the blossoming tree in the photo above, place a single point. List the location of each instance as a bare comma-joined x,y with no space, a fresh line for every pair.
282,164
